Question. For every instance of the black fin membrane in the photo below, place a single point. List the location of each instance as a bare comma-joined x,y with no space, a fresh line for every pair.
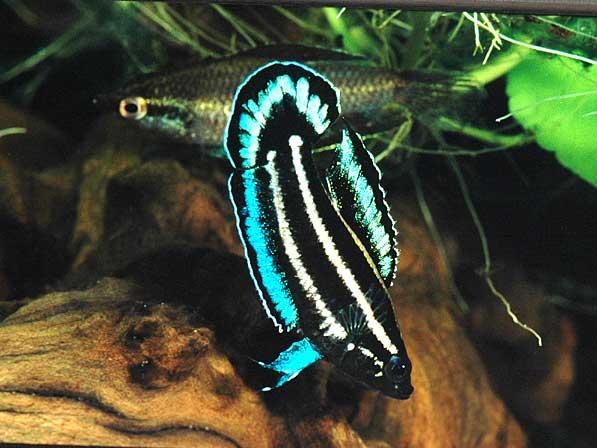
277,101
354,186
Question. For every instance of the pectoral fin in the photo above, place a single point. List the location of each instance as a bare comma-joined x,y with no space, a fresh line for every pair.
300,355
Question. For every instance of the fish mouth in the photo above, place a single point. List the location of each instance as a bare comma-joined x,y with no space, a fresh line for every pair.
402,391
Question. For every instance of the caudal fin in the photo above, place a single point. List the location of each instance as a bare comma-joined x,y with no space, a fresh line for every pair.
434,93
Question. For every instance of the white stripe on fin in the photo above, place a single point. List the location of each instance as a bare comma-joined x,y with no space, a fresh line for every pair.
330,324
331,250
353,181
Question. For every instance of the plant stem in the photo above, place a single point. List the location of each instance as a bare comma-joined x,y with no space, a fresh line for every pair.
486,272
62,41
484,135
499,65
12,131
437,239
416,41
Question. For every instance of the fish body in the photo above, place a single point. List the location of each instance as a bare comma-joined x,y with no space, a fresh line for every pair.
192,104
320,257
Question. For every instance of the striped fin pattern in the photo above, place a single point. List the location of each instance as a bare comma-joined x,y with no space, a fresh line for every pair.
307,248
353,181
258,229
277,101
255,111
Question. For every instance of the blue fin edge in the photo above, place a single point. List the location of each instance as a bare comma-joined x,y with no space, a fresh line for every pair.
292,361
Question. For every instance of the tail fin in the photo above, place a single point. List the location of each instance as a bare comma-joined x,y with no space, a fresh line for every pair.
276,101
433,93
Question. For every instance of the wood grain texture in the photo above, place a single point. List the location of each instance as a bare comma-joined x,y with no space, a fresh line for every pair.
132,362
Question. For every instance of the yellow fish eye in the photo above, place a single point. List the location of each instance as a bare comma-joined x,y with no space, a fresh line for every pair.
133,107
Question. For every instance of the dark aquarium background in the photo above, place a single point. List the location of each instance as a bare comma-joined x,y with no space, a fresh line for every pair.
501,174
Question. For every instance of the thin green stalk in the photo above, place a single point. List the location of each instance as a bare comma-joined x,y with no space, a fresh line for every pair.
484,135
242,27
224,13
300,22
12,131
274,29
389,19
456,29
59,44
23,11
208,34
453,152
397,138
499,65
162,19
416,40
336,23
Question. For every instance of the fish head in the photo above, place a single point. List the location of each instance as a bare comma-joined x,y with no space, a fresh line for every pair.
388,372
152,108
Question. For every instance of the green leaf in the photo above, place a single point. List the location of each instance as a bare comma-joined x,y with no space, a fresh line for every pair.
556,98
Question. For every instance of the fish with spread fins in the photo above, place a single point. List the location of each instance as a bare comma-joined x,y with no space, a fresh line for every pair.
191,104
322,252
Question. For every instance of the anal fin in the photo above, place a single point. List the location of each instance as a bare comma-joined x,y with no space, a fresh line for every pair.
353,181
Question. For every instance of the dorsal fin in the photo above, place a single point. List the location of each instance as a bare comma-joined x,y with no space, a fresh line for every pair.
354,186
276,101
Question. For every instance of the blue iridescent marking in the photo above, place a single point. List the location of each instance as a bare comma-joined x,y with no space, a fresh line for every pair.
258,112
264,102
287,85
251,106
302,95
300,355
370,213
275,92
367,214
249,124
273,280
323,114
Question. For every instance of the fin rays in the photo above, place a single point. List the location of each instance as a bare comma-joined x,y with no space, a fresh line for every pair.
261,121
300,355
354,186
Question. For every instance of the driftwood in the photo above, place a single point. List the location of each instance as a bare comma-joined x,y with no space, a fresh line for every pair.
150,337
125,362
116,365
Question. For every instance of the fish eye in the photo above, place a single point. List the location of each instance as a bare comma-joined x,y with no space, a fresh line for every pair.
395,368
133,107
